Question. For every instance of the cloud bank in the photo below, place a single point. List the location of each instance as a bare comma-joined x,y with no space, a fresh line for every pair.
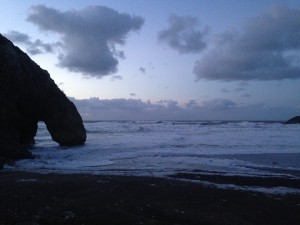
268,48
183,35
215,109
89,36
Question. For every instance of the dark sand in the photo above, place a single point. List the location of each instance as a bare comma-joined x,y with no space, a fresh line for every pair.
32,199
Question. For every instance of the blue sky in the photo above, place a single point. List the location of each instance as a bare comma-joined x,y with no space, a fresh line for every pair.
170,59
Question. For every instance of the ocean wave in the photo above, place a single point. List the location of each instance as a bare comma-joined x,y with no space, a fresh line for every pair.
161,148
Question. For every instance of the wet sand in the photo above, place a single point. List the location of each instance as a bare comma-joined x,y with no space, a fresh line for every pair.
32,199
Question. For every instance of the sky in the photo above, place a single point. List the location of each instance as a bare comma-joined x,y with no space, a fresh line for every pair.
165,59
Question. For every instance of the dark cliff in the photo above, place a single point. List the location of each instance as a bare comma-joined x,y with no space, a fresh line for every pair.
29,95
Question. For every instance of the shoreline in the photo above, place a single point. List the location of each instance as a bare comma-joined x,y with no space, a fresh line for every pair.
31,198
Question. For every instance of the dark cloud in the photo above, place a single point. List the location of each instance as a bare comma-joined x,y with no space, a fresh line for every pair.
32,47
16,36
192,105
89,36
267,48
242,86
132,94
245,95
225,90
219,104
134,109
239,89
215,109
142,70
183,34
116,77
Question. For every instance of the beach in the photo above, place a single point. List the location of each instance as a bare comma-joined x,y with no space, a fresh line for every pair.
31,198
168,172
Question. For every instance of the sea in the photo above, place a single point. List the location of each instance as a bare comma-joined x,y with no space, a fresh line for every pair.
255,149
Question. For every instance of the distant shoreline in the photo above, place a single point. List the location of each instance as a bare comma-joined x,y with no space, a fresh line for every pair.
93,199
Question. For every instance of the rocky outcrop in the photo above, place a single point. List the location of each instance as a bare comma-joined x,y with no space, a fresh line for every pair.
293,120
29,95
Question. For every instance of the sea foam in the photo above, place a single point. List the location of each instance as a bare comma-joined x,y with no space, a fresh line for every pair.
162,148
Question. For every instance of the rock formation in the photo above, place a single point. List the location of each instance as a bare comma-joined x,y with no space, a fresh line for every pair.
293,120
29,95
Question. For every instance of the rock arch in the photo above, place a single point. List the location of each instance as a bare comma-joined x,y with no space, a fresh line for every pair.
28,95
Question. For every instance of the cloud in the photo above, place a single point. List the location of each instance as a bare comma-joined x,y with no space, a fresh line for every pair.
239,89
32,47
116,77
225,90
246,95
142,70
242,87
183,35
219,104
215,109
267,48
89,36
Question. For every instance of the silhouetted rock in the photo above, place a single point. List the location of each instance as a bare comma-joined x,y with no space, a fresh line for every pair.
293,120
29,95
2,161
